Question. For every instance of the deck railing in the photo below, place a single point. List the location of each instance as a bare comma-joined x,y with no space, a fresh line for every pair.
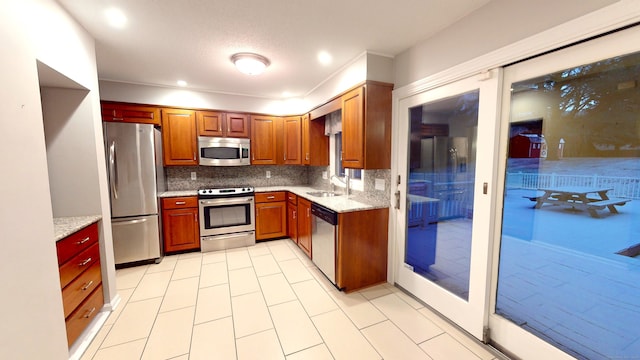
624,187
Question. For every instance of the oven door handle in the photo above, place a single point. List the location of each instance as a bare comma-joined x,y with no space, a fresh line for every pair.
223,237
226,201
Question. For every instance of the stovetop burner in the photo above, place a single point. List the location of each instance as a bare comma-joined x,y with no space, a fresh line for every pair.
217,192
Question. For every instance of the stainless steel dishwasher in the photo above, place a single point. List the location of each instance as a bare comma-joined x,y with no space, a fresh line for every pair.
323,240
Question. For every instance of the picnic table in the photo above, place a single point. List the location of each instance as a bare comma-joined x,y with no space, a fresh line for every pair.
590,199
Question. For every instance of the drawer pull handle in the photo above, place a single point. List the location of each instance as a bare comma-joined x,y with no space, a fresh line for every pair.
85,262
88,314
83,241
294,214
118,119
270,197
180,202
87,285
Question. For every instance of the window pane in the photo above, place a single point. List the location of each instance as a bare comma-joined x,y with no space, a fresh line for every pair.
442,161
355,173
569,269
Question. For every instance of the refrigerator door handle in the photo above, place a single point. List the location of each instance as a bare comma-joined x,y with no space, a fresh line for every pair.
129,222
113,170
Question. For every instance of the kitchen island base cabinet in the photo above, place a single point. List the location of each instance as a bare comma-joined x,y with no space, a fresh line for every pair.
362,249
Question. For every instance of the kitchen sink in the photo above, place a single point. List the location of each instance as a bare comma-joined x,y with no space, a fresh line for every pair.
323,193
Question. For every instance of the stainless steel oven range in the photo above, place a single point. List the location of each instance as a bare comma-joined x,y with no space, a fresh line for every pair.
227,218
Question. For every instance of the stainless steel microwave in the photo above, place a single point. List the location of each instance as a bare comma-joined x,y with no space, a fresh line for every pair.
218,151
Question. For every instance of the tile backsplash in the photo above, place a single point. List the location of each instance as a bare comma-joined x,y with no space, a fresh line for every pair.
179,178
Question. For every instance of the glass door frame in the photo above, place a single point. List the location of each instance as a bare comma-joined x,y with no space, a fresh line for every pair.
505,334
471,315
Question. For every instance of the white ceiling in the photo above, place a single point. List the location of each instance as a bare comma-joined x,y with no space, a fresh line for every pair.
193,40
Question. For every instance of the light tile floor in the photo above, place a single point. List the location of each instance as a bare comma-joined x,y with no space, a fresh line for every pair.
266,302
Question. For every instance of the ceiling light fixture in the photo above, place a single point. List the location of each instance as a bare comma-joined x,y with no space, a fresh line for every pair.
116,18
181,83
250,63
324,58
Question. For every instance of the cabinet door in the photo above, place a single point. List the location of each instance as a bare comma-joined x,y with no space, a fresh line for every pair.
179,140
237,125
271,220
210,123
317,143
116,112
292,221
180,229
353,129
304,226
263,140
292,140
306,145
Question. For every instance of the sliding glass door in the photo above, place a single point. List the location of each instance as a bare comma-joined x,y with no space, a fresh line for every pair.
568,275
445,206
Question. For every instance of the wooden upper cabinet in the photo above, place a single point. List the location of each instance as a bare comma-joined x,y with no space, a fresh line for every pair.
215,123
292,140
315,144
366,127
118,112
237,125
179,140
209,123
264,140
353,129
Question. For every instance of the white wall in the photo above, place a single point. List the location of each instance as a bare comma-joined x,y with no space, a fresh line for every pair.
71,152
497,24
31,307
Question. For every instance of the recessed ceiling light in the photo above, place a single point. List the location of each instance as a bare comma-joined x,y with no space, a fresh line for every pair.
286,94
116,18
249,63
324,58
181,83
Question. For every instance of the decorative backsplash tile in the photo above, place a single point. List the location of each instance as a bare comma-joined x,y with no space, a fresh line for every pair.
179,178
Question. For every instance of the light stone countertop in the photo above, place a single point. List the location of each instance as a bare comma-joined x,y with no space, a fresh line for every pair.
339,204
65,226
167,194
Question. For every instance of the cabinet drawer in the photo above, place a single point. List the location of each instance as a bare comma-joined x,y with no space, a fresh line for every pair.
80,288
79,319
292,198
79,263
180,202
73,244
270,196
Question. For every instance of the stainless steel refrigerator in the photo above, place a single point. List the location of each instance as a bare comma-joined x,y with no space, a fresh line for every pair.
136,176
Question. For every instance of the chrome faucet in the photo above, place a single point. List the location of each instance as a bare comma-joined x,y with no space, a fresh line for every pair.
346,181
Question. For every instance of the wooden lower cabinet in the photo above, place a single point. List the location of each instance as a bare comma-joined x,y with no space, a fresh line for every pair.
271,215
292,217
180,228
304,226
362,249
80,279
